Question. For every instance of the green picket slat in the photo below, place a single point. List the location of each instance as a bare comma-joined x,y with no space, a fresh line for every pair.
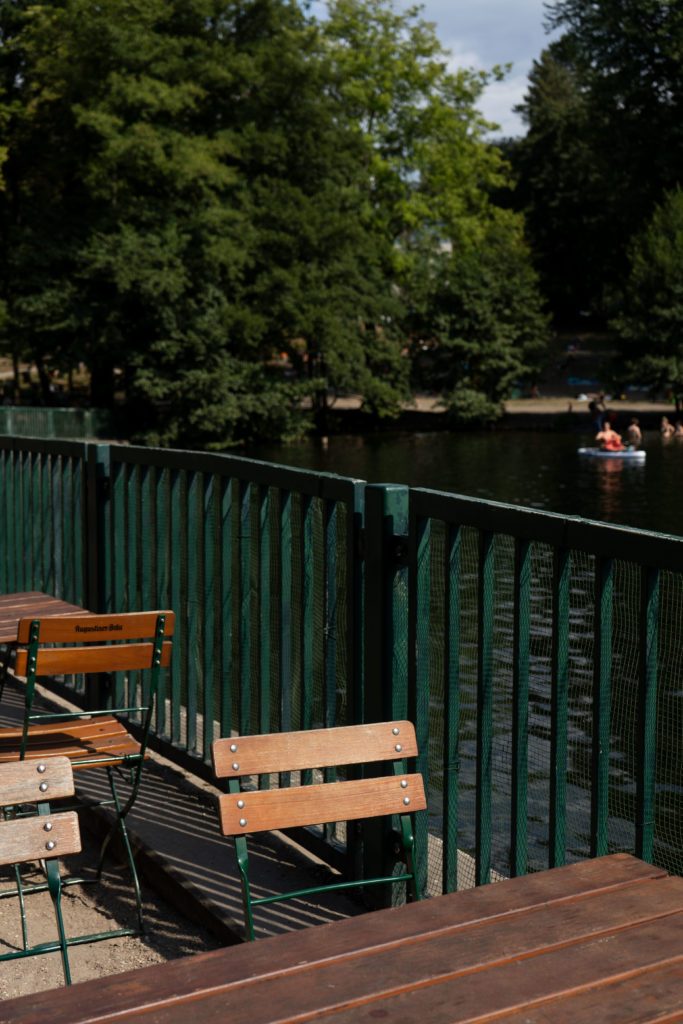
208,631
244,618
558,708
176,530
520,708
286,624
48,519
162,561
224,493
118,561
485,610
451,690
192,663
602,682
265,597
420,700
646,721
306,619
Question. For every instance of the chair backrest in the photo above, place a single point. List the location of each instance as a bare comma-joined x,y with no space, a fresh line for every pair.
97,643
246,811
44,836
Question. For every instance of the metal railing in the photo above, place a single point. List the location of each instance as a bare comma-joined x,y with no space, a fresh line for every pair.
537,654
51,422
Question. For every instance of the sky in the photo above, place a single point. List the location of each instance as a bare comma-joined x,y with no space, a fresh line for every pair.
481,33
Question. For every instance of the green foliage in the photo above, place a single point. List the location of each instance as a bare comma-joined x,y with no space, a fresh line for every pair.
482,326
196,187
650,326
604,111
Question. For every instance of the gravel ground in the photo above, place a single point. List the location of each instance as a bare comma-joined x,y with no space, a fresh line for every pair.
87,909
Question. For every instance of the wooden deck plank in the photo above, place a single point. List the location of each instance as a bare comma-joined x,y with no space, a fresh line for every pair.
235,976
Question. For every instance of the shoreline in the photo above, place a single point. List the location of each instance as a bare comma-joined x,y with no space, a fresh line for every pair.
554,413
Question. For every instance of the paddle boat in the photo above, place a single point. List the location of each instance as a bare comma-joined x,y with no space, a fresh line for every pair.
630,454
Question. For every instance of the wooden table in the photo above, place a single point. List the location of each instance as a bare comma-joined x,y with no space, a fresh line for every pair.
599,941
31,603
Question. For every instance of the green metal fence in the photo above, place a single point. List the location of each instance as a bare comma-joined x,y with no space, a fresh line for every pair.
43,517
537,654
46,421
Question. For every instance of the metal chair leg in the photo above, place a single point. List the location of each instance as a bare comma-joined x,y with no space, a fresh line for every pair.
120,825
55,887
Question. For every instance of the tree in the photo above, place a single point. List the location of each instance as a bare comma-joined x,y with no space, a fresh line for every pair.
650,326
605,139
433,177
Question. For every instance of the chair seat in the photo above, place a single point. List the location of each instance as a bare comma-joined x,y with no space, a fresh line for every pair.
104,738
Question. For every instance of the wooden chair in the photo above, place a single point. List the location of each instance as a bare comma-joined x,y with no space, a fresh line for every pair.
89,644
41,835
245,810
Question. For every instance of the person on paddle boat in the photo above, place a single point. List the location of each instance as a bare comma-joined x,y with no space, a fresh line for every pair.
633,433
610,441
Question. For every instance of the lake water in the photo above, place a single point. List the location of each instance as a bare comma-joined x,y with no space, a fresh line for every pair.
536,470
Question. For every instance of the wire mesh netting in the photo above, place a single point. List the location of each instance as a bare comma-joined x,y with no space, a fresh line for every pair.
435,634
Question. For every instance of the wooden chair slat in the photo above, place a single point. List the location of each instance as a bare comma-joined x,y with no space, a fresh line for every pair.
96,628
314,748
104,725
26,838
317,804
20,780
67,660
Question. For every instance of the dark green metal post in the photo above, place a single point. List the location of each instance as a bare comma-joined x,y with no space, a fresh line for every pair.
386,631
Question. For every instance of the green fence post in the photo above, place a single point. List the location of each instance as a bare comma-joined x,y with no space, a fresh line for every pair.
386,634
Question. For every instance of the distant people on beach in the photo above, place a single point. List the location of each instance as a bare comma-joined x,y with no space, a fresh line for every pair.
666,428
610,441
634,434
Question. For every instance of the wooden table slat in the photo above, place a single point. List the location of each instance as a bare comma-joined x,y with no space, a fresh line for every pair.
646,996
30,603
548,933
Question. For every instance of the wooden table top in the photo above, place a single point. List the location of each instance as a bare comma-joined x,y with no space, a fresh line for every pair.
30,603
598,941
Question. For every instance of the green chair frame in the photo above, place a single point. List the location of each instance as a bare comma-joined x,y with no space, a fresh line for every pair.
244,810
39,834
72,644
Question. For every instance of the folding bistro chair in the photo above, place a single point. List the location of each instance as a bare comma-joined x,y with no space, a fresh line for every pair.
244,810
92,644
41,836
